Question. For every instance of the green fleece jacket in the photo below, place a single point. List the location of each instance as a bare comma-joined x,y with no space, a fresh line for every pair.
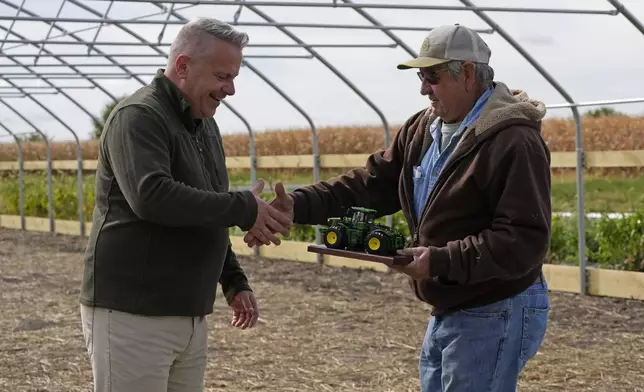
159,242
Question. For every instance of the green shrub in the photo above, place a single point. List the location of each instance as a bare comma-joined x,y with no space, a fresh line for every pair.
611,243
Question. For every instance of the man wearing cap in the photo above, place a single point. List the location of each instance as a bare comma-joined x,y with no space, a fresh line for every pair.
472,176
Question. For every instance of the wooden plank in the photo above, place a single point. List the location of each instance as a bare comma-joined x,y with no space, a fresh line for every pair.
614,283
10,221
68,227
239,246
562,277
357,255
288,250
36,224
560,159
285,161
238,162
625,158
343,161
336,261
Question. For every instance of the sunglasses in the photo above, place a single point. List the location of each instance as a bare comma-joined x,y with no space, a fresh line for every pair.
431,76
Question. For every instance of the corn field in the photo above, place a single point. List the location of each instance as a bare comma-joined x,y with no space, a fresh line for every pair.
599,134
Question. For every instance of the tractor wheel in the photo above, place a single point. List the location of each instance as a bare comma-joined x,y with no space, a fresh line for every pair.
334,238
377,243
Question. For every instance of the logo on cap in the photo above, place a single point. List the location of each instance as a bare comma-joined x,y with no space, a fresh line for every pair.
425,46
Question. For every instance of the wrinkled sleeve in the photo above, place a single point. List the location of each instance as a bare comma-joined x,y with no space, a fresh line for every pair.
138,148
232,279
373,186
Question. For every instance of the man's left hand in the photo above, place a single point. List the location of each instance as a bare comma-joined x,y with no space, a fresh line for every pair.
245,310
419,267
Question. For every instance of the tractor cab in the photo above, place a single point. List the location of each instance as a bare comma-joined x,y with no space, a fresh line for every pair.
361,216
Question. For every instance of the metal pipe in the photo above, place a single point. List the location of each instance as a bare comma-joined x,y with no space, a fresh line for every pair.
145,55
136,36
316,158
22,95
581,210
380,6
284,56
46,87
399,42
56,57
83,77
252,153
79,157
627,14
21,177
68,33
50,191
107,56
595,103
154,44
249,24
579,145
40,75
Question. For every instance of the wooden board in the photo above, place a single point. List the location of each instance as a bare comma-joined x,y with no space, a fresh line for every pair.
387,260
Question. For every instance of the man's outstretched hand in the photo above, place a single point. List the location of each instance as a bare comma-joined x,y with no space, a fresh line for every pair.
284,204
270,220
245,310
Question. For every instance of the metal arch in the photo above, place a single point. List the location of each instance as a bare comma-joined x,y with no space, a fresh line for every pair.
334,4
359,9
21,177
151,46
79,150
274,87
156,49
65,63
578,138
5,2
79,153
316,174
621,8
327,64
50,193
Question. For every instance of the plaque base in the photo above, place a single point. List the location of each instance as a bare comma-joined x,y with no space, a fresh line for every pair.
399,260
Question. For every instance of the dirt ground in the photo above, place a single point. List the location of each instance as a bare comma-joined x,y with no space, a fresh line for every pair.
323,329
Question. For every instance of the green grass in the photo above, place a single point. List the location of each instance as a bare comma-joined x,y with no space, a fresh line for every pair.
602,194
612,243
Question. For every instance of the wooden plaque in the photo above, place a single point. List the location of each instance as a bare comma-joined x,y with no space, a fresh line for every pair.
400,260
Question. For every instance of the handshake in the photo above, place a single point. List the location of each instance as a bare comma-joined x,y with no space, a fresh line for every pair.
273,217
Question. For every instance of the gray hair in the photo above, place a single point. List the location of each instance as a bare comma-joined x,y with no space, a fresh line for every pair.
191,36
484,73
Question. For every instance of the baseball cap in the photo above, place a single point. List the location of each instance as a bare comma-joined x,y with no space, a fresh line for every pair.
447,43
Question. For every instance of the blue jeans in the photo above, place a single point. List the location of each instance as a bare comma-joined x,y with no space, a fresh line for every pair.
485,348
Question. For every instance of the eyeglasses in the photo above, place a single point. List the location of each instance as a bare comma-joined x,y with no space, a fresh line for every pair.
431,76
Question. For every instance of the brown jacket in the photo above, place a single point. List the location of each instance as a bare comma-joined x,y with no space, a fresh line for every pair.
487,222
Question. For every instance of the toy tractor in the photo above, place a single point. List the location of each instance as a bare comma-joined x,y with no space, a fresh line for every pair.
356,231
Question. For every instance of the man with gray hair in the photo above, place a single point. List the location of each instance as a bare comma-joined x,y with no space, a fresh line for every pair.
159,243
472,176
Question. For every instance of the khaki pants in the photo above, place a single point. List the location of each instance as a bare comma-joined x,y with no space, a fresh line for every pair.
138,353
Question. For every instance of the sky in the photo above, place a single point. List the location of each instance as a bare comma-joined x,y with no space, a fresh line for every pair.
593,57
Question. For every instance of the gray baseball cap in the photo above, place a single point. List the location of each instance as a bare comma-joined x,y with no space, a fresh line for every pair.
447,43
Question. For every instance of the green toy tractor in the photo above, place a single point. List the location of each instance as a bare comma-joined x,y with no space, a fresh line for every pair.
357,231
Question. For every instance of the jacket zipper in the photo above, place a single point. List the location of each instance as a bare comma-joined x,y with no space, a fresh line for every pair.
204,170
432,195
